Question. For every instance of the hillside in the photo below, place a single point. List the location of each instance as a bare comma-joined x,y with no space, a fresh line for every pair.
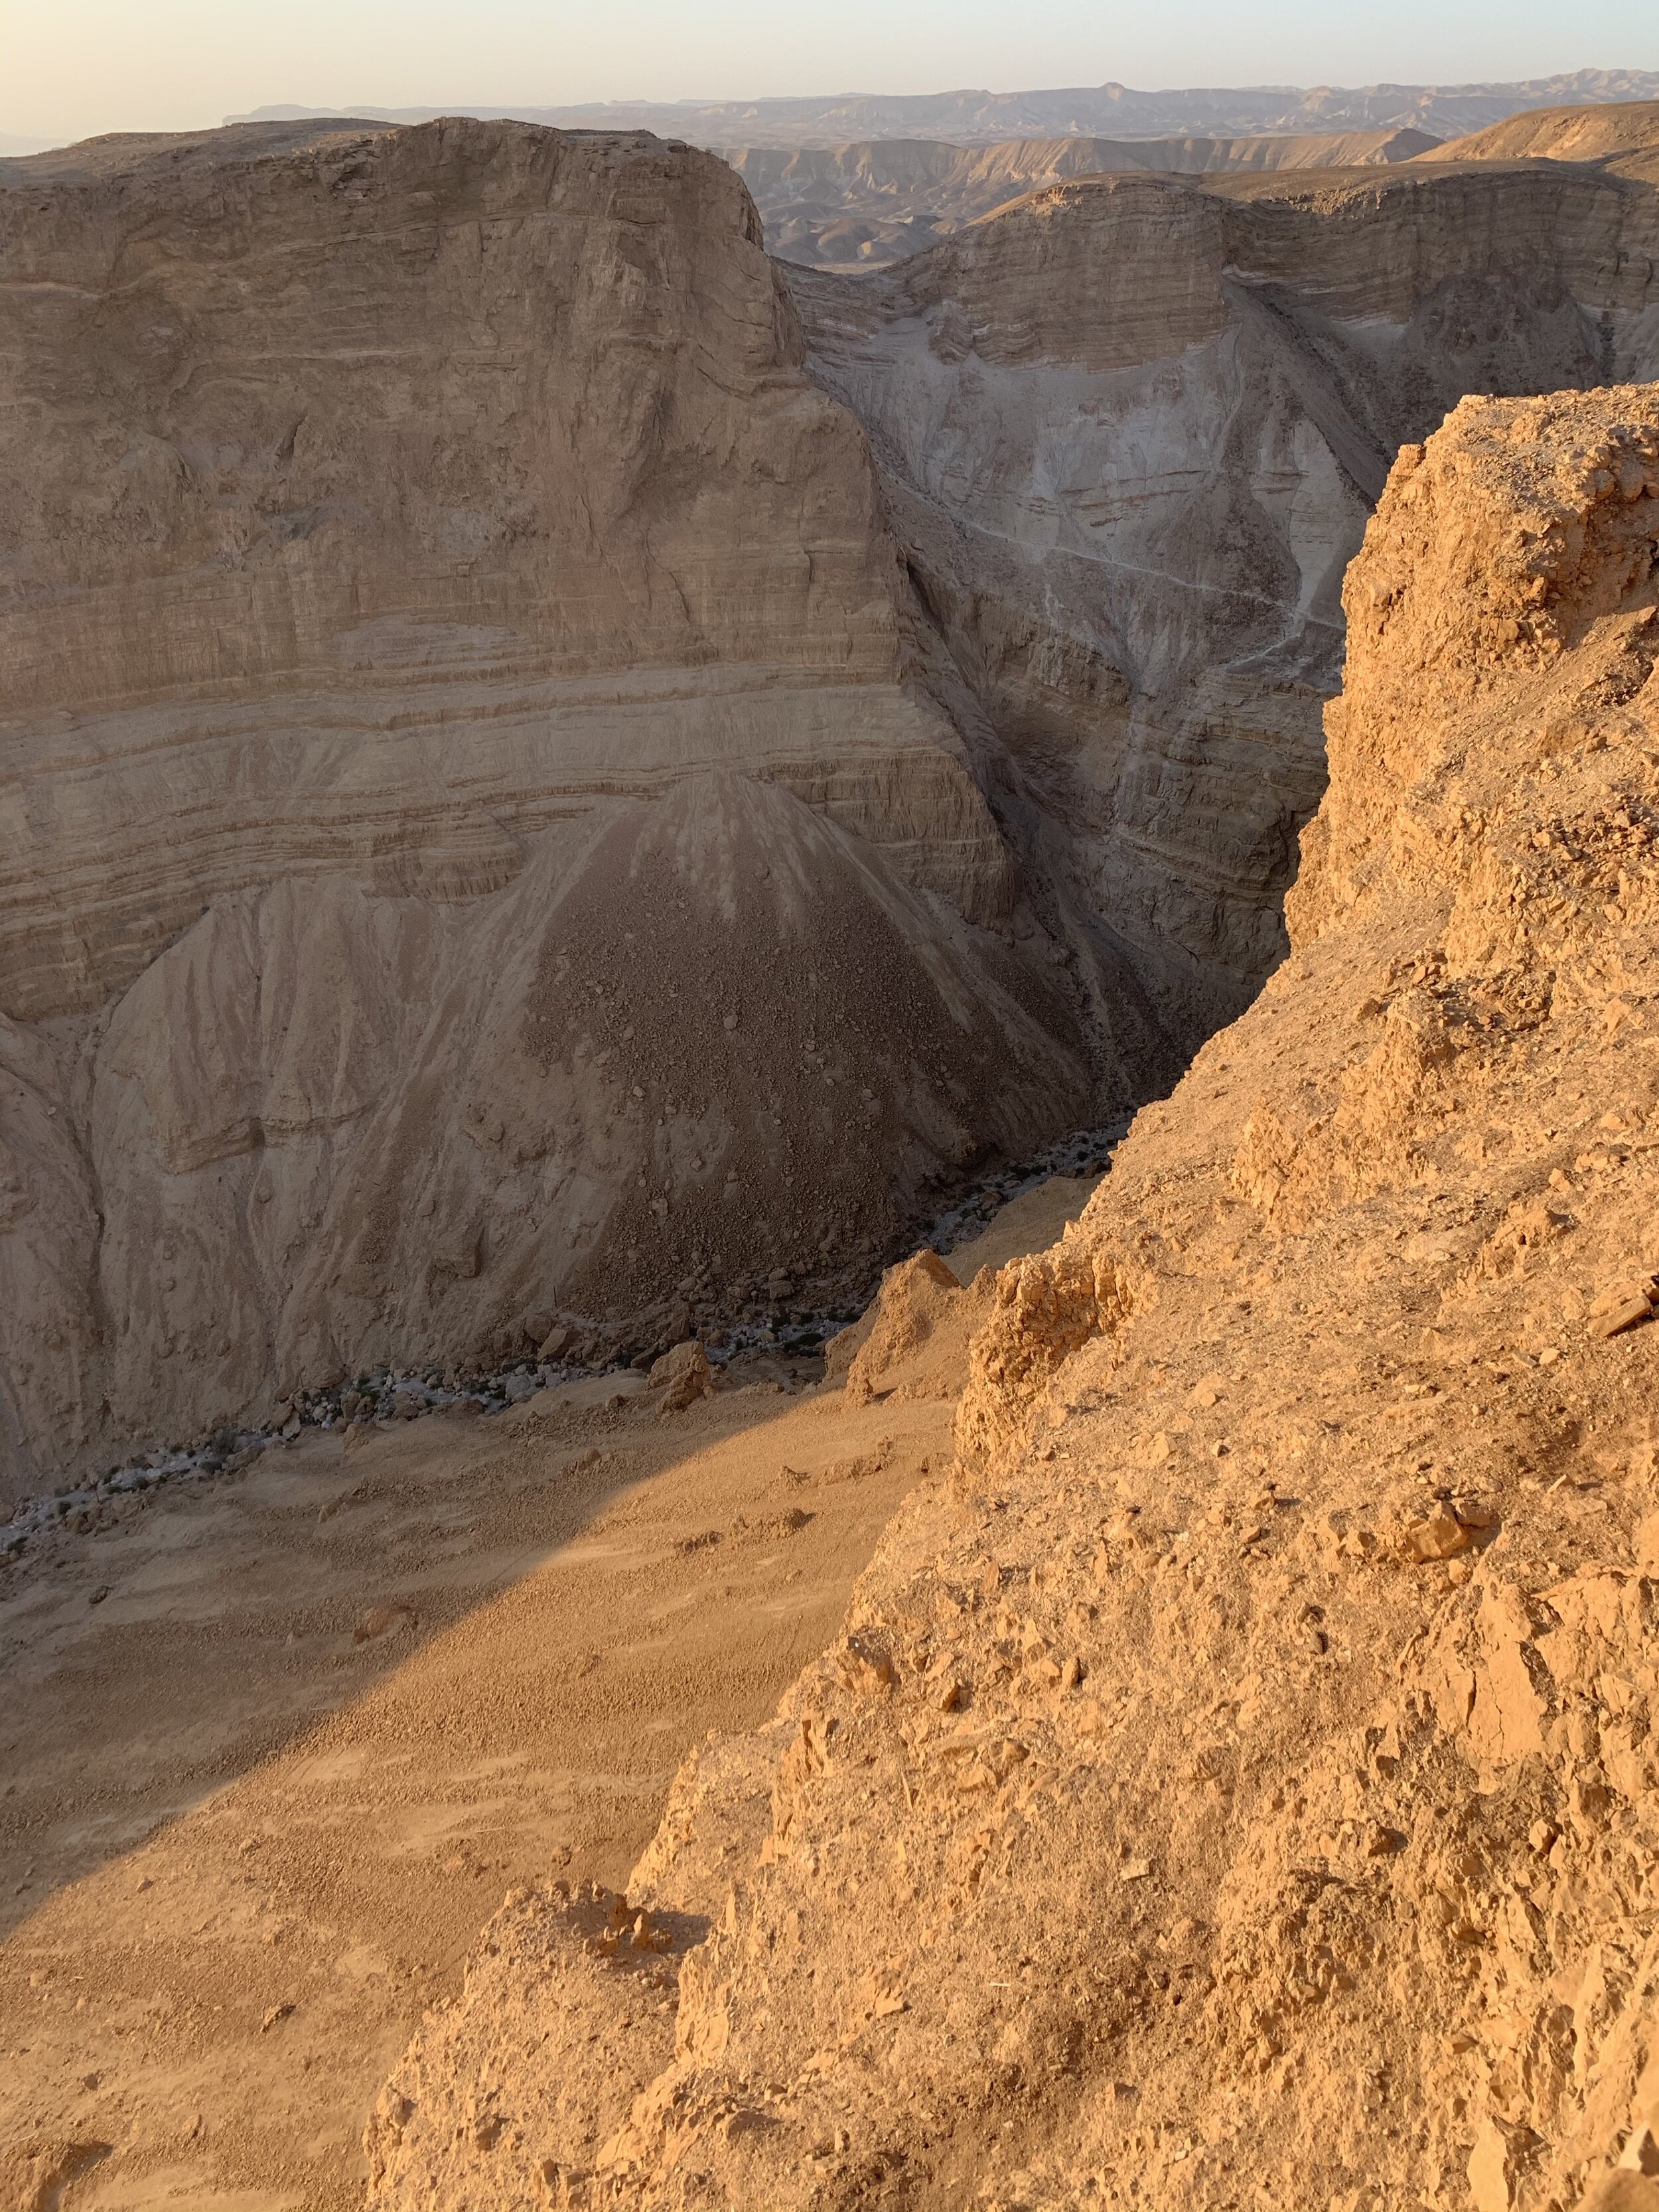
1130,429
1235,1779
1562,133
327,1708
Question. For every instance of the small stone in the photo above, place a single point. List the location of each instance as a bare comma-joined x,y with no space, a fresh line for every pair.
381,1620
1629,1313
865,1665
683,1376
1136,1870
1441,1536
277,2014
98,1595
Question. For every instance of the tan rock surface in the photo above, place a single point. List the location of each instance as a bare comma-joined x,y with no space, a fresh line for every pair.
1288,1835
1131,428
458,730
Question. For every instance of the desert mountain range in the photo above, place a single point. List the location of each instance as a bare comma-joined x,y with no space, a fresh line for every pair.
1112,111
427,759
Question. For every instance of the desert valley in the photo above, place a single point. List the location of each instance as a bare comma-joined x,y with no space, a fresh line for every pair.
829,1157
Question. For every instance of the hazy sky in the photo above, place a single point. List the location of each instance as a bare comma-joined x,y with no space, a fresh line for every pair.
69,67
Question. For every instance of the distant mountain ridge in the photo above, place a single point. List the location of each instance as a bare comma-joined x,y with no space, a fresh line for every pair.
978,117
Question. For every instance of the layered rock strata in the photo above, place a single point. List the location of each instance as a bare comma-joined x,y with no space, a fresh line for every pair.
1236,1779
514,819
1131,428
472,848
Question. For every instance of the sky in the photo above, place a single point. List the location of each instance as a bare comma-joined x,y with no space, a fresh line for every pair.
71,68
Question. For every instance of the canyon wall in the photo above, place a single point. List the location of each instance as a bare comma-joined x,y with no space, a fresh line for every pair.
1235,1782
539,792
1130,430
472,845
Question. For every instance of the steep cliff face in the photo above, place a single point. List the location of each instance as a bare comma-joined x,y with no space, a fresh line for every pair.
1237,1781
1131,428
471,844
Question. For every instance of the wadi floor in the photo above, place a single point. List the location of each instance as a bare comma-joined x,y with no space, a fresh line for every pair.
272,1751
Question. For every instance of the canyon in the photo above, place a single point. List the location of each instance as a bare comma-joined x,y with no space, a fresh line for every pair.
571,792
492,661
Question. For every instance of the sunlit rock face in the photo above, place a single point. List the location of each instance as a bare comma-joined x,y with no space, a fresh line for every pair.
1131,430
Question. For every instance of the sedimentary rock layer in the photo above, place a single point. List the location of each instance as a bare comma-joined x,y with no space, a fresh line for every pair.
471,844
519,803
1131,428
1237,1780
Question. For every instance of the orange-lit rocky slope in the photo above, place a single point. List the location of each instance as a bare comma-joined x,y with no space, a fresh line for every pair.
1236,1784
1561,134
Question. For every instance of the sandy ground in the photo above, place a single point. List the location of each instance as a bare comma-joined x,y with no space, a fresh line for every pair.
271,1752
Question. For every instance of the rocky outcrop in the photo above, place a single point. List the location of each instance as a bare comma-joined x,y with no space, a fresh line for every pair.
877,201
473,848
1131,428
1236,1781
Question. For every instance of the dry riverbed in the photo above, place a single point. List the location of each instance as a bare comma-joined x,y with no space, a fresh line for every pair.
271,1752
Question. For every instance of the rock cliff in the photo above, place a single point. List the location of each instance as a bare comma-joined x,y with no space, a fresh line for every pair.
473,847
1131,430
1236,1781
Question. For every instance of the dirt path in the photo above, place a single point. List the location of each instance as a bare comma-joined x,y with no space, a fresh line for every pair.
244,1841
